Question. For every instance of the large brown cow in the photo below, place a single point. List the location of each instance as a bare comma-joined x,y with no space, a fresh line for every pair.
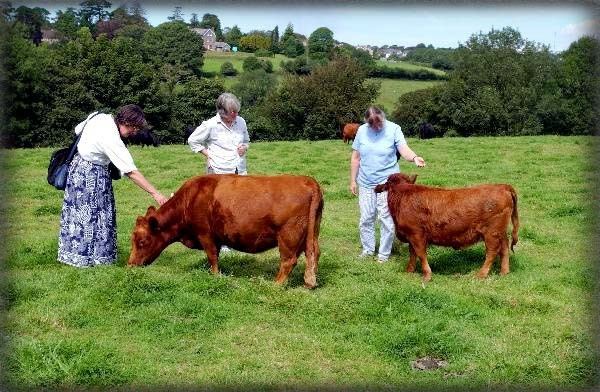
349,132
452,217
247,213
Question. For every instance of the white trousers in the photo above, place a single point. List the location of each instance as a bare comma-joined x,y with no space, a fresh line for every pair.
374,205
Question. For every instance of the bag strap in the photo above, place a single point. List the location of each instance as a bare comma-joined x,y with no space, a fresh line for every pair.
76,142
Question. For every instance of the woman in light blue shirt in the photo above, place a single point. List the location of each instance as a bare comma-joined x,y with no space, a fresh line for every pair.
373,161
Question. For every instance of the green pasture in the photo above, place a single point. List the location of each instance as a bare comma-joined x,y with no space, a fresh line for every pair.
392,89
408,66
214,60
174,325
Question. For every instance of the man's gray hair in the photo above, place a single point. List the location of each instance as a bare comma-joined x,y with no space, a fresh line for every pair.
227,103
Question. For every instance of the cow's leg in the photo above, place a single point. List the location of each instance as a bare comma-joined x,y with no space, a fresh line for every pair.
492,246
289,249
504,268
412,260
212,253
312,257
420,249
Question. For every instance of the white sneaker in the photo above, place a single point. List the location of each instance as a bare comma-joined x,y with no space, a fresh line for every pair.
382,260
365,255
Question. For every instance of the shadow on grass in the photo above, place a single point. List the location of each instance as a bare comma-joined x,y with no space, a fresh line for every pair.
447,261
265,265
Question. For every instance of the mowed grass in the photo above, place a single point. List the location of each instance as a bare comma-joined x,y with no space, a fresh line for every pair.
174,324
392,89
409,66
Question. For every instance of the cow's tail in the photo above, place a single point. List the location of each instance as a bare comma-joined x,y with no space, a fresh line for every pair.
514,219
312,250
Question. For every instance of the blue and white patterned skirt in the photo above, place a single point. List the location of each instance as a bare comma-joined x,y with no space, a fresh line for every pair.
88,226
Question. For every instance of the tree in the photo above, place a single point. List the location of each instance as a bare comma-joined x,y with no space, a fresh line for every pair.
320,44
302,109
66,23
34,19
177,15
580,84
194,22
94,10
175,51
275,40
255,41
211,21
290,45
233,35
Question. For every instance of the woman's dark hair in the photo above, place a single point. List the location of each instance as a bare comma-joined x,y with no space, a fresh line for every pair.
131,115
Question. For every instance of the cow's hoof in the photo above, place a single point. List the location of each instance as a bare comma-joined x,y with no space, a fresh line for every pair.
310,286
426,278
481,275
504,272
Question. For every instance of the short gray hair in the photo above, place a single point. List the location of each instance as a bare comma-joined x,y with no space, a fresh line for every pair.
227,103
373,112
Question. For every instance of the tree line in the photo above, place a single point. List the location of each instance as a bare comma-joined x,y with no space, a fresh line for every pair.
501,84
504,84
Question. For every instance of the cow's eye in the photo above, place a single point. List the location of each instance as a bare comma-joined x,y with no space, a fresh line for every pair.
141,243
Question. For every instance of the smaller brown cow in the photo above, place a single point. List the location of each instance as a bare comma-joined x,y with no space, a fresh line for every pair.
349,132
247,213
458,218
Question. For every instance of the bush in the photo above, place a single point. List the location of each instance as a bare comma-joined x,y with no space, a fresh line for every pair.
227,69
263,53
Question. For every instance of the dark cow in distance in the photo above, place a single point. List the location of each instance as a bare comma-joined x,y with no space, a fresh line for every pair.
349,132
247,213
458,218
144,137
187,132
426,131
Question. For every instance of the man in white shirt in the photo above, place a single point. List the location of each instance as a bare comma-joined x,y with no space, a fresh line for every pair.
223,139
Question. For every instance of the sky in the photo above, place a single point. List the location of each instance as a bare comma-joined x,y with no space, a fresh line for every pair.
441,24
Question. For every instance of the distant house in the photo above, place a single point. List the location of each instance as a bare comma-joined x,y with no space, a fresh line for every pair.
50,36
222,47
208,37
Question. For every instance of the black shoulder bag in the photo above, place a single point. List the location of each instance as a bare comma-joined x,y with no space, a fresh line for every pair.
59,165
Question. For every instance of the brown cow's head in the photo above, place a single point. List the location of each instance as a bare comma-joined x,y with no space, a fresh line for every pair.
396,179
146,240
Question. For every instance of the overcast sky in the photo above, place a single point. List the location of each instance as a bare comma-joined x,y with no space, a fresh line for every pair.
442,24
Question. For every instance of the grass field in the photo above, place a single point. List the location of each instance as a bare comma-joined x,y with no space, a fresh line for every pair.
173,324
392,89
408,66
214,60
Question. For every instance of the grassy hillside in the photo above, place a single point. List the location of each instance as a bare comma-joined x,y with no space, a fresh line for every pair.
408,66
392,89
174,324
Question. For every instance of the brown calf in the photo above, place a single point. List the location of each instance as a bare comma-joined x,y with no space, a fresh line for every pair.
452,217
247,213
349,132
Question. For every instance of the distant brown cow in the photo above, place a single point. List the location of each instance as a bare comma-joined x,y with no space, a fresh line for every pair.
452,217
247,213
349,132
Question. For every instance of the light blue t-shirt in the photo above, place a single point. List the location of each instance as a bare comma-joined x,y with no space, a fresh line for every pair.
377,151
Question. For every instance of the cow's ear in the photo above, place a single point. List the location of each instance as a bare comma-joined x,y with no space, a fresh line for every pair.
381,188
153,224
140,220
412,178
150,210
